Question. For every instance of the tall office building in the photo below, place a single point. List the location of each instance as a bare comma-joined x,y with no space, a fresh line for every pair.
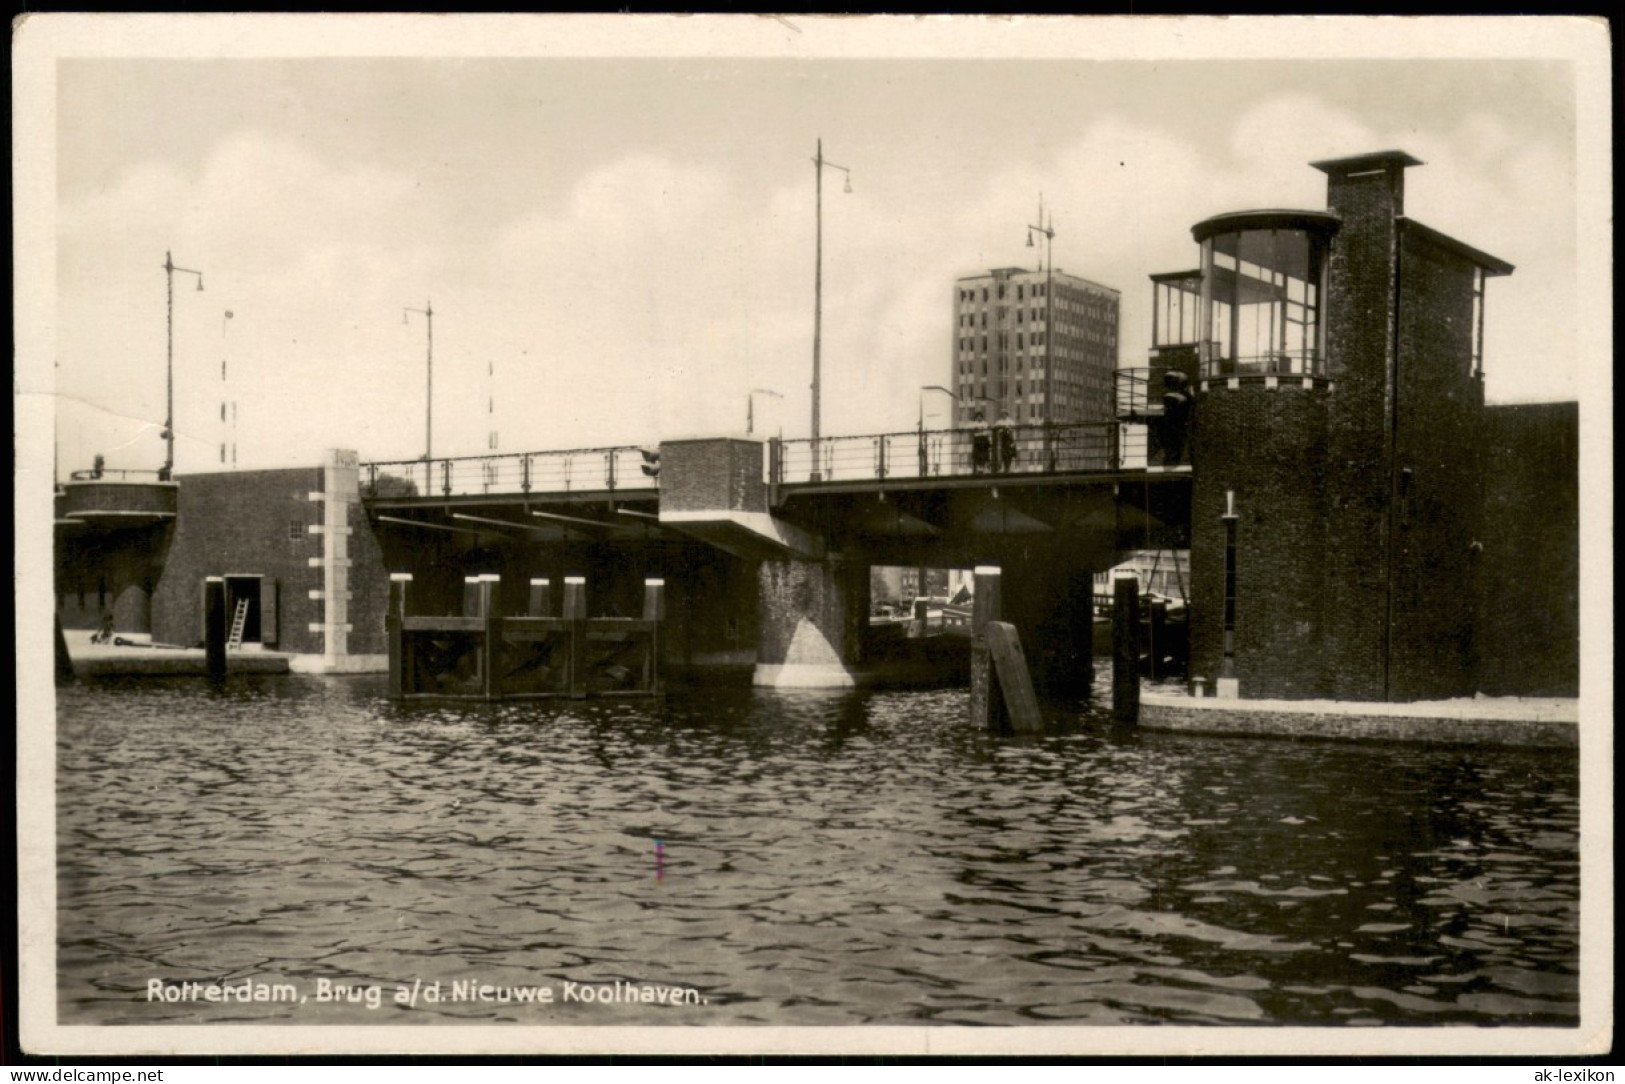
1041,345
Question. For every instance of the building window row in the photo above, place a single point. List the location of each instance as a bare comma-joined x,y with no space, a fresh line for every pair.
969,296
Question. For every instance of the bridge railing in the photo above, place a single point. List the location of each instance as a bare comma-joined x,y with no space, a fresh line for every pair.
575,470
952,453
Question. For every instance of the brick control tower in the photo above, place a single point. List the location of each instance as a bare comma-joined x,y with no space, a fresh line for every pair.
1336,446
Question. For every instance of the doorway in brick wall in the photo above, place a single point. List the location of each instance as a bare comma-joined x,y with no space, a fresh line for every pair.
258,592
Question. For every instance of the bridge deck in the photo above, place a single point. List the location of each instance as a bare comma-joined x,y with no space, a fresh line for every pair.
1084,453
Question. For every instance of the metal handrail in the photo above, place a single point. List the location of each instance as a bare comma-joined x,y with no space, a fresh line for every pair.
920,454
948,453
1138,391
612,468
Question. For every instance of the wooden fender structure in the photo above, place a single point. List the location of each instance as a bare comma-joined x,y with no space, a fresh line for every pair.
484,656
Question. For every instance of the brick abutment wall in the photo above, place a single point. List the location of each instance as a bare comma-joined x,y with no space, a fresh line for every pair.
1266,444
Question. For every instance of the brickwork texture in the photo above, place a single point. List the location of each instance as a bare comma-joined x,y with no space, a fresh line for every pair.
248,522
712,475
1529,569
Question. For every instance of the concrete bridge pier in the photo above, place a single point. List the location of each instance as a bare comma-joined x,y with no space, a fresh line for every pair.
810,616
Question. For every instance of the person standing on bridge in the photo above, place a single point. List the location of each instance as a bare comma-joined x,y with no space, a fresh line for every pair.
1176,417
981,444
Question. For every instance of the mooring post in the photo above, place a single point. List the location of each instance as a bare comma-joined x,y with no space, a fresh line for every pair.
654,609
1125,649
575,611
985,606
471,596
1014,683
490,637
214,627
541,598
395,633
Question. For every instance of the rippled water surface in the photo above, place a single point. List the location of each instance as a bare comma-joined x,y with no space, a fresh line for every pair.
821,859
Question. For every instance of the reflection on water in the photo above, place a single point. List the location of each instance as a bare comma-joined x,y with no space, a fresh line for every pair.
798,859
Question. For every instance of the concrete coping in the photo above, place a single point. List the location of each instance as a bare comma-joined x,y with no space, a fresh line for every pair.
400,577
1527,709
575,579
656,582
471,579
988,570
708,438
541,581
490,577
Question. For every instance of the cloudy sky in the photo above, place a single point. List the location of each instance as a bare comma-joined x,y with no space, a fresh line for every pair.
629,243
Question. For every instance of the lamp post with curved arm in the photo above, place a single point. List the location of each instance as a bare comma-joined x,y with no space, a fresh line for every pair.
750,408
427,312
169,394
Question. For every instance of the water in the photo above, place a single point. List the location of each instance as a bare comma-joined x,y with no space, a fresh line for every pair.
821,859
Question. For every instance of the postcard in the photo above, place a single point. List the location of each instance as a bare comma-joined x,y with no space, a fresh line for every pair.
719,534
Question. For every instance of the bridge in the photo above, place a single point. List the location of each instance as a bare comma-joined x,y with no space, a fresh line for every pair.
914,496
770,535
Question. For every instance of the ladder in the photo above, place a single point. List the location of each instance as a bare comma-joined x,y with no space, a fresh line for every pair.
238,621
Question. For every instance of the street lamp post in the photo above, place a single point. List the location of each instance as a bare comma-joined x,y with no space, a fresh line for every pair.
750,407
427,312
228,425
1047,231
819,163
169,367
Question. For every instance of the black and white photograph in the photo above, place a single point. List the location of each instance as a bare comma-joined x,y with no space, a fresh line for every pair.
748,534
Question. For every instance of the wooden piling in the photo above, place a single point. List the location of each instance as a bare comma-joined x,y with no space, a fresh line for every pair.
1125,649
540,603
1014,683
654,600
984,708
654,610
214,628
575,598
490,637
575,611
986,604
471,596
395,633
